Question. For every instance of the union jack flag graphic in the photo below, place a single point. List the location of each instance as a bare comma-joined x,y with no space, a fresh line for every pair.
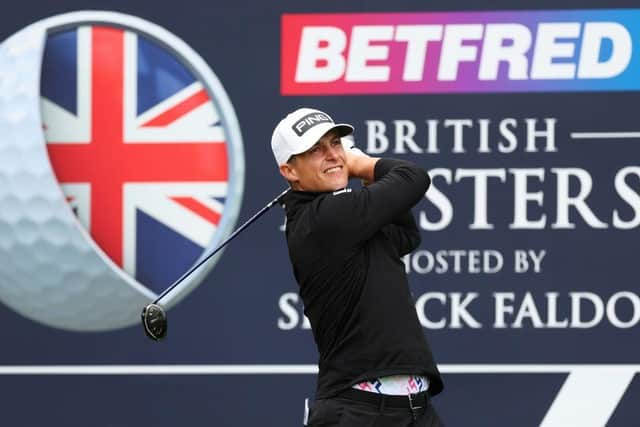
138,147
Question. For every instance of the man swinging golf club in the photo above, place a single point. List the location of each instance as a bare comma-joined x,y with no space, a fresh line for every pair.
345,245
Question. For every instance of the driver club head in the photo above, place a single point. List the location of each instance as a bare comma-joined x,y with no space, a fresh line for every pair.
154,321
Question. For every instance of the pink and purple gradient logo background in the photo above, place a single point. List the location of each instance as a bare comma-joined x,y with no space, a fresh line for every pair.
467,80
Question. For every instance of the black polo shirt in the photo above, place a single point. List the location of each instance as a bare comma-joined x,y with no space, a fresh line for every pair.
345,249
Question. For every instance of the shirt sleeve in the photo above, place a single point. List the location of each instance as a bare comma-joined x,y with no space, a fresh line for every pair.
352,217
403,233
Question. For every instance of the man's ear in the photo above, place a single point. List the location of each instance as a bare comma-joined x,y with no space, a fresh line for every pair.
288,172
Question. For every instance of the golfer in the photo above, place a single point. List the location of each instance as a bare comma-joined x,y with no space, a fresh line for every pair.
345,245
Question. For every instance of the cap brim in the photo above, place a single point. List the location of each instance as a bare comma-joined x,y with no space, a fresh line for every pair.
343,129
320,131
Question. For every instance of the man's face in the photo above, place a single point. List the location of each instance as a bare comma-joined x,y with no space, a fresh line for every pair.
321,168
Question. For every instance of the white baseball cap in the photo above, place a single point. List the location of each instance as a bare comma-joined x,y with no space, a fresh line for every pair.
300,130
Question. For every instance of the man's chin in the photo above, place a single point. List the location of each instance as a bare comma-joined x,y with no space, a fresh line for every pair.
339,185
328,185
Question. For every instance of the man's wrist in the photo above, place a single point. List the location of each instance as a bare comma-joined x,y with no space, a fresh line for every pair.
362,166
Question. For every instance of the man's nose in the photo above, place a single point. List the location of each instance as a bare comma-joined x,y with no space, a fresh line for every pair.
332,151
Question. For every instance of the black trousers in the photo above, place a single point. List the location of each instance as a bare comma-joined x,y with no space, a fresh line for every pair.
363,409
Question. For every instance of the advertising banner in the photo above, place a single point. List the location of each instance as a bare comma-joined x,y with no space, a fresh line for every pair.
135,138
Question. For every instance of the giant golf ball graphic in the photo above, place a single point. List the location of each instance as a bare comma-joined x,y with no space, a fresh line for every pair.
93,153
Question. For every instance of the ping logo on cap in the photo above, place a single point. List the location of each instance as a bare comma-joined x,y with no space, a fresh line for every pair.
309,121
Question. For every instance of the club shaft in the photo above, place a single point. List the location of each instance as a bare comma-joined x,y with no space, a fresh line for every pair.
222,245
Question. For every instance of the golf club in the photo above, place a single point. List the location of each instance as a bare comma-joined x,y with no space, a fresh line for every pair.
154,317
